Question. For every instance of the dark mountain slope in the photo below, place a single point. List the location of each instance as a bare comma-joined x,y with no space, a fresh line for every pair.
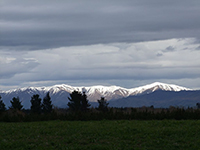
160,99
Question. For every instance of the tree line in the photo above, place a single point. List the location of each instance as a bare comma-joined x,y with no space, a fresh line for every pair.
77,102
79,109
37,106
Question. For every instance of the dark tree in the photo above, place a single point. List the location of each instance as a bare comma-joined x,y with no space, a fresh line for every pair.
78,101
46,105
198,105
36,106
85,102
2,105
16,104
103,105
75,101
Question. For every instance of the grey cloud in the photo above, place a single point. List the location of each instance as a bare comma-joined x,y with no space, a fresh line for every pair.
169,49
109,31
108,75
50,24
137,61
17,66
159,54
198,48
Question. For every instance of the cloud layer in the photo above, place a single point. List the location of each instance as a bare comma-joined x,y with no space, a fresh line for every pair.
127,43
173,59
47,24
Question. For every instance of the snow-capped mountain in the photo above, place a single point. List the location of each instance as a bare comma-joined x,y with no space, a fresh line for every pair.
157,86
60,93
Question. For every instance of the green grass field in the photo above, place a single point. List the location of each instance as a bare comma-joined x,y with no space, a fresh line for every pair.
101,135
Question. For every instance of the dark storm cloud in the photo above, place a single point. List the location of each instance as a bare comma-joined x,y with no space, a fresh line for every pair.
50,24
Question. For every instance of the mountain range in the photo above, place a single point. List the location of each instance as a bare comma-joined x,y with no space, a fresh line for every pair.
157,94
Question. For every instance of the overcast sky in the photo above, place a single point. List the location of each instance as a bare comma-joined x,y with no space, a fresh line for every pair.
99,42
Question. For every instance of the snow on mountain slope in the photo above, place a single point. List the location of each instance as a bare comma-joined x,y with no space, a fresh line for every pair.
60,93
102,90
157,86
109,92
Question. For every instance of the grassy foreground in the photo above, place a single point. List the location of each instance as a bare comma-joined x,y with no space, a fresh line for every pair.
101,135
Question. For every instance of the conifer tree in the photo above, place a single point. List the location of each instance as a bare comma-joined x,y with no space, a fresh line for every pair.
75,101
78,101
85,102
16,104
2,105
46,105
103,105
198,105
36,106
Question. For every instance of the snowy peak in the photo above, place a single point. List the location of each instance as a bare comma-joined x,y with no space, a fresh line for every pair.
166,87
157,86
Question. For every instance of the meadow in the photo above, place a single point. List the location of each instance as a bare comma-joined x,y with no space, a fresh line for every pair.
101,135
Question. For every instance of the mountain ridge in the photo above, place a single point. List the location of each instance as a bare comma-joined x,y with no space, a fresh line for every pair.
155,86
59,93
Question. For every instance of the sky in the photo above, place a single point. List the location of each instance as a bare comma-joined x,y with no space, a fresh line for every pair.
127,43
